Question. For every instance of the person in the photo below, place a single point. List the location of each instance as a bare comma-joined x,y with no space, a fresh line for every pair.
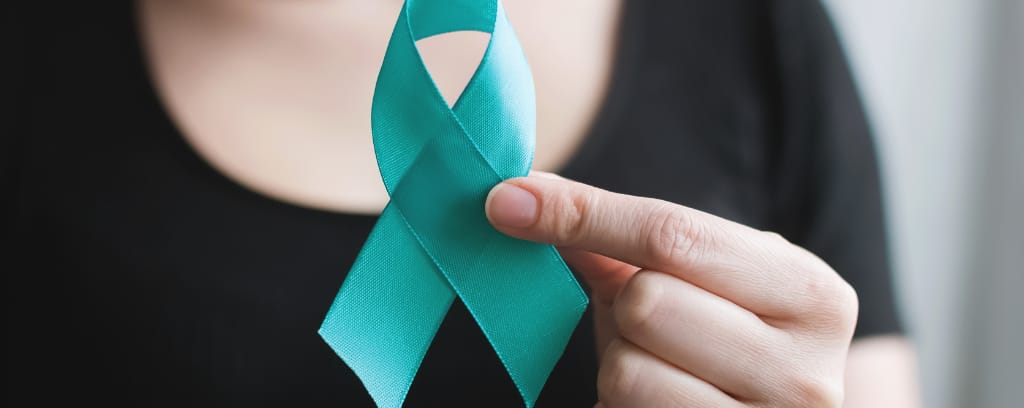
187,182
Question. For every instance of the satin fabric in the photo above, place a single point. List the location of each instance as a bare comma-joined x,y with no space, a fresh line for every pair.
433,243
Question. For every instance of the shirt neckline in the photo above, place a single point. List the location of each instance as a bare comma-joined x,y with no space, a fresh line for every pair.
599,131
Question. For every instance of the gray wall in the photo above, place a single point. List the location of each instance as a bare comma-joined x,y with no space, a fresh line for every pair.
994,333
943,83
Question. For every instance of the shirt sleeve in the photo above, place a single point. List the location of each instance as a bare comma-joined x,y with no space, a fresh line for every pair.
826,193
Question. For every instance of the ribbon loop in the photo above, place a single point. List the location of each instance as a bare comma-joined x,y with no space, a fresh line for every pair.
433,241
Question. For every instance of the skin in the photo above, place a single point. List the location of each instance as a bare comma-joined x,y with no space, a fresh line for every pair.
695,310
276,94
691,309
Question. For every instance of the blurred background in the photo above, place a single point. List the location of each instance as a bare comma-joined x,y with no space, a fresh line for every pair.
943,81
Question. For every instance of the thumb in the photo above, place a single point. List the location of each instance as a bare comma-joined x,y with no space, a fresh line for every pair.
511,205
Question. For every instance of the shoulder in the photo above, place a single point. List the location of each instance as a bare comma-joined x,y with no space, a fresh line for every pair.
735,104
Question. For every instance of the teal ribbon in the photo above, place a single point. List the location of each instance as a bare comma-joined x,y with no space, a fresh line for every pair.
433,241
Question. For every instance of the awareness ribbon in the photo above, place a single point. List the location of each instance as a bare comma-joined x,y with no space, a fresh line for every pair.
433,241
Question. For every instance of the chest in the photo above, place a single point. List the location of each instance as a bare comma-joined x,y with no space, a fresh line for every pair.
279,99
205,284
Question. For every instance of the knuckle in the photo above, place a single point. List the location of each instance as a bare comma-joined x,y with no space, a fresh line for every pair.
569,215
672,236
831,303
618,377
848,308
823,301
776,237
637,306
809,391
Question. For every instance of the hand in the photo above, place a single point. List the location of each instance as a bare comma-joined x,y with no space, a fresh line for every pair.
691,310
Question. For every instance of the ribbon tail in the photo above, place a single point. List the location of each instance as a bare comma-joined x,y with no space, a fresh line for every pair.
521,293
386,314
529,333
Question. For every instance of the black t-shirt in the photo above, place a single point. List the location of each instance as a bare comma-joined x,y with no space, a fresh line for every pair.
137,274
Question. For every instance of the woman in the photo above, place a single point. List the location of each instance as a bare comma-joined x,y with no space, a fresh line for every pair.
188,181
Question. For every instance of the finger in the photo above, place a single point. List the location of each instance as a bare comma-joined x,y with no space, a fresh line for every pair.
631,377
757,270
701,333
604,275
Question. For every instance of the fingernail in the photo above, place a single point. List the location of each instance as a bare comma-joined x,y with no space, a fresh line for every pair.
511,206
